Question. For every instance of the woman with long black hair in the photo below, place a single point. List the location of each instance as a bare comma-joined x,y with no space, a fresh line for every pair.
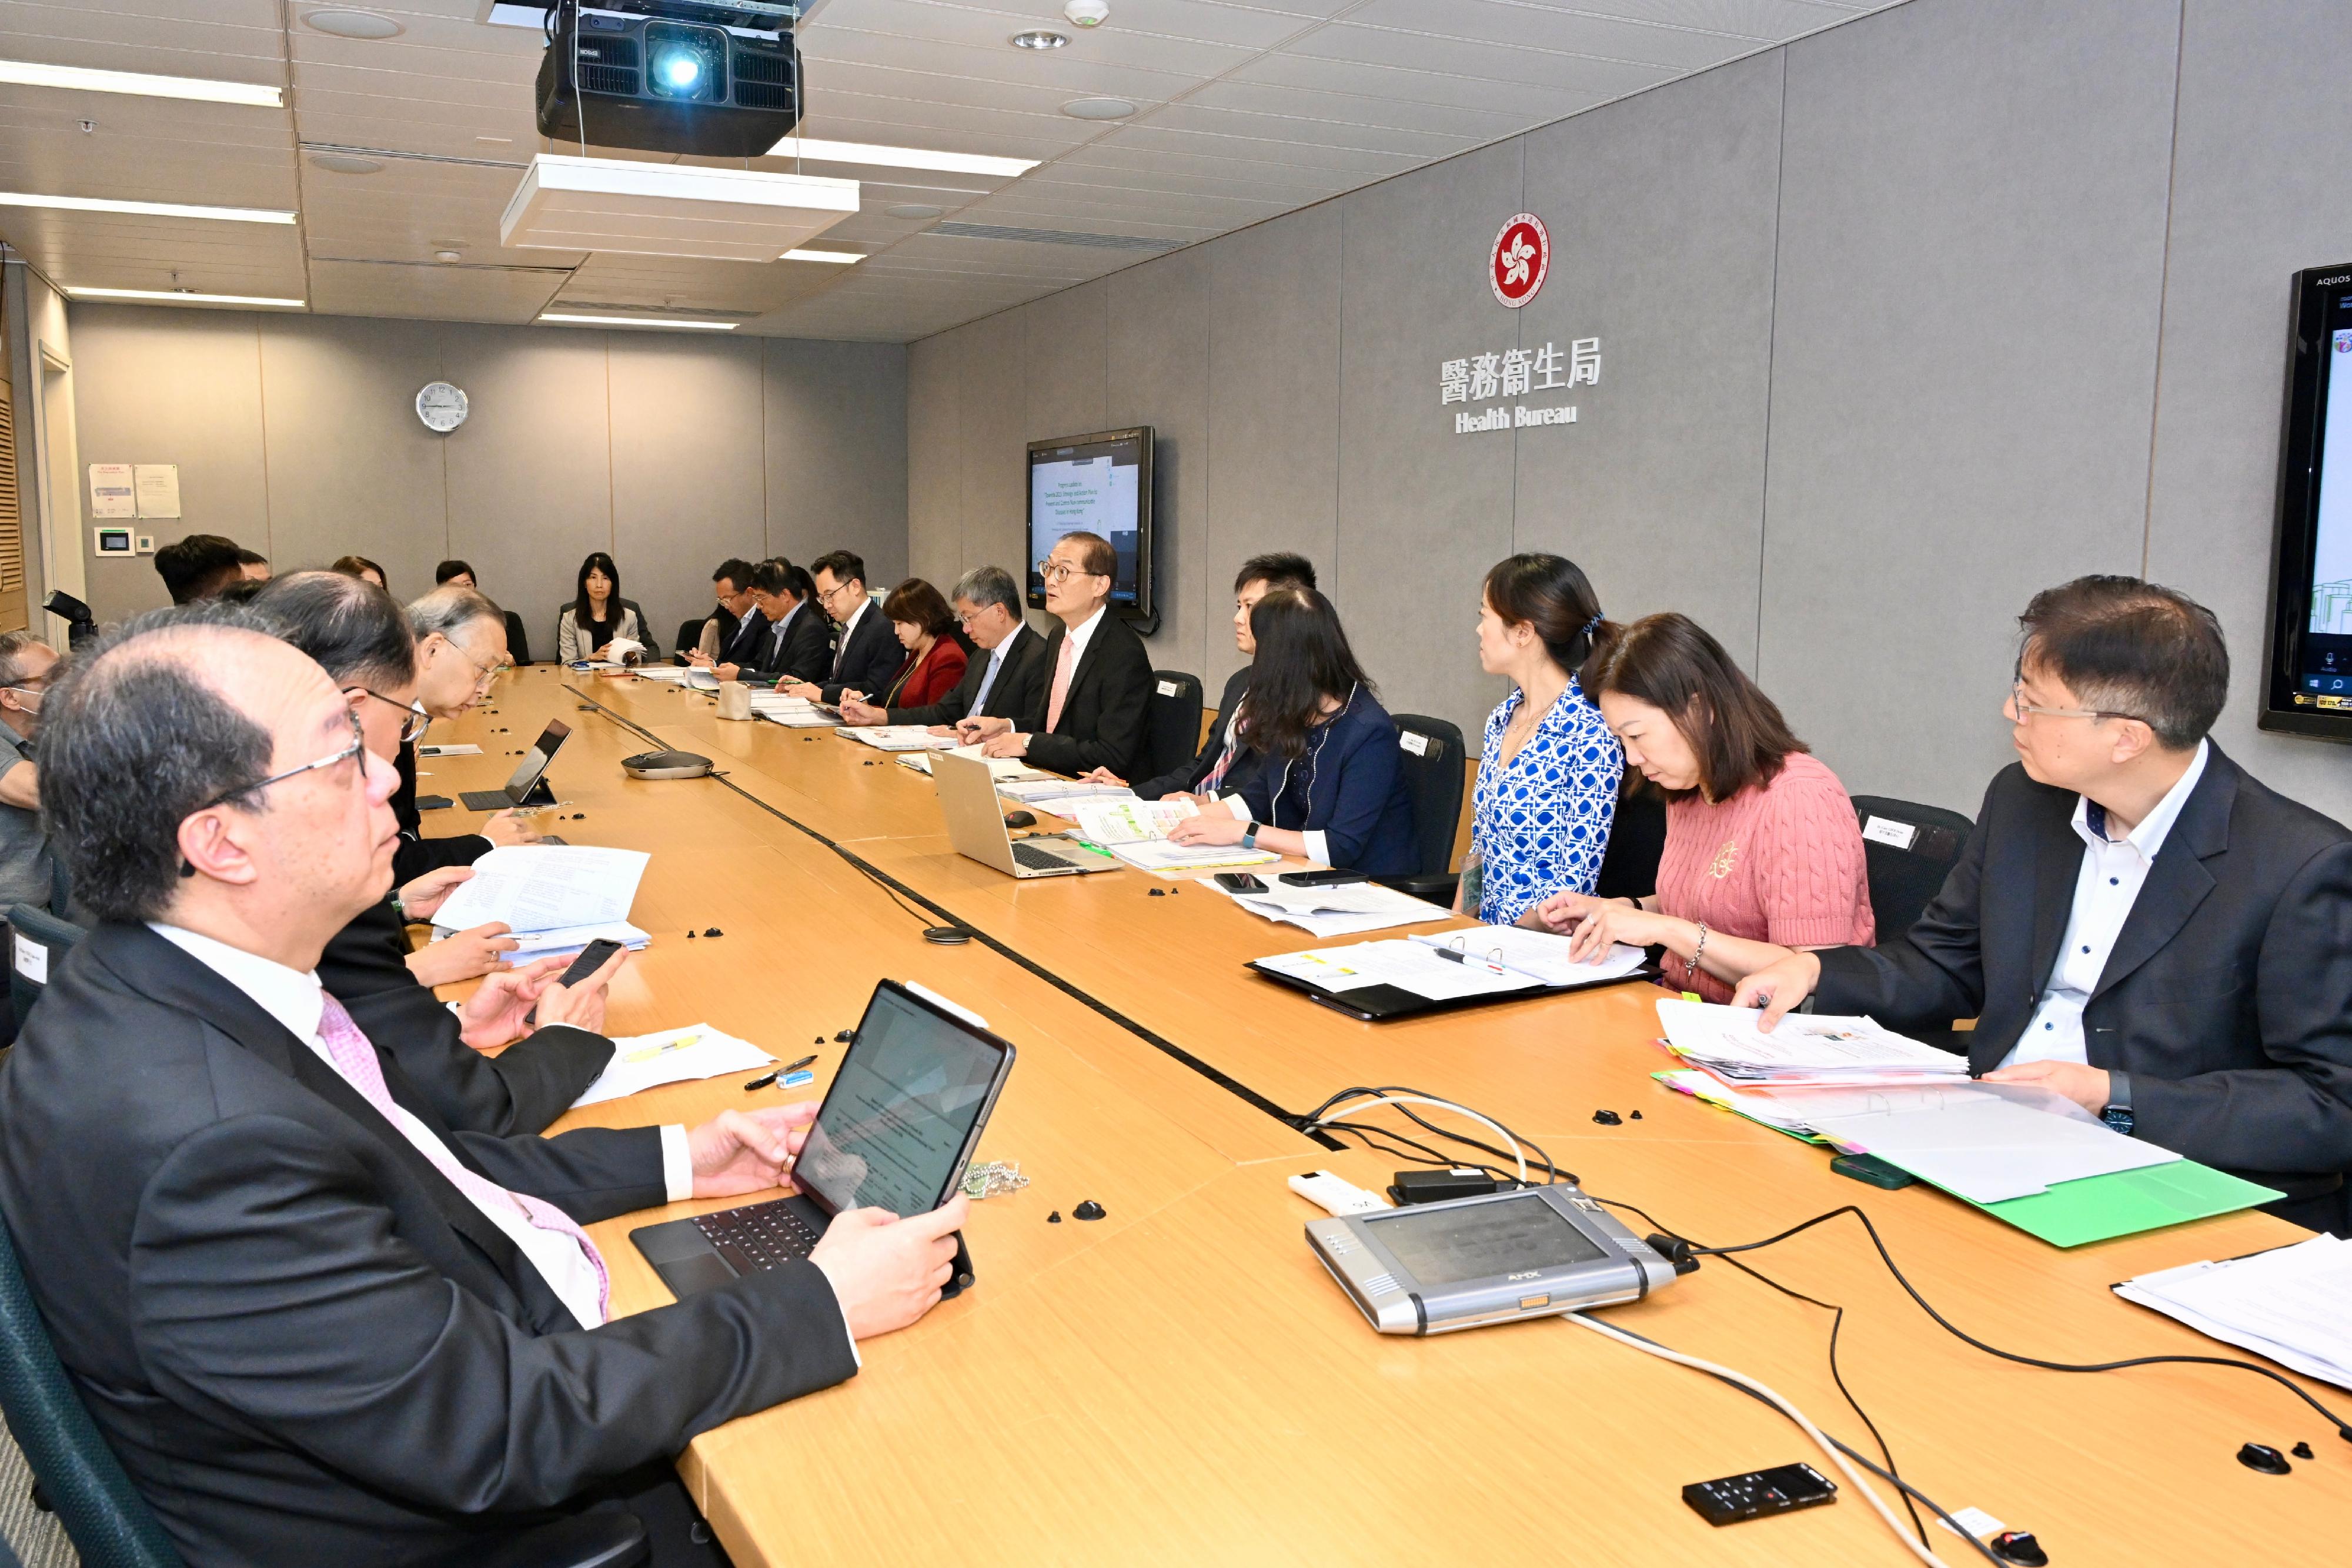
1332,789
597,614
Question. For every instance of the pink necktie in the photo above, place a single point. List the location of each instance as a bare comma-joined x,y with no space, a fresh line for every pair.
1066,662
355,1058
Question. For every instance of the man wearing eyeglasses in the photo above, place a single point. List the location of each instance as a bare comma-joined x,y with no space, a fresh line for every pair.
315,1322
867,653
2135,923
1092,710
27,665
988,606
461,649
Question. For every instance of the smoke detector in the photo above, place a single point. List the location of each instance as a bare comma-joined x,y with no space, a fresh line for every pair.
1085,12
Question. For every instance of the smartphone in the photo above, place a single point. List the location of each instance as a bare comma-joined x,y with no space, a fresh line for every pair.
1239,881
591,959
1330,876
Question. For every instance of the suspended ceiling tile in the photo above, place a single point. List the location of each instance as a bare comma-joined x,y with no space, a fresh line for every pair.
1200,21
1292,131
435,292
1366,162
1527,102
1476,125
1574,73
961,41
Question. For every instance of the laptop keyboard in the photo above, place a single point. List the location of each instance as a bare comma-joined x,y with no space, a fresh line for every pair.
1035,859
761,1237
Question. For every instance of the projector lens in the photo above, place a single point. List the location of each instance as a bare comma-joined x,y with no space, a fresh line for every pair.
686,62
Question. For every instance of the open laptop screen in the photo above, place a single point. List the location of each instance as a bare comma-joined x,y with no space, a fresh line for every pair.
901,1118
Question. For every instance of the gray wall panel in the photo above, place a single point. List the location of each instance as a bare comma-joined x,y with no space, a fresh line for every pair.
1972,201
1423,512
1274,396
991,442
836,451
1664,216
688,482
2261,85
934,506
1159,376
1065,357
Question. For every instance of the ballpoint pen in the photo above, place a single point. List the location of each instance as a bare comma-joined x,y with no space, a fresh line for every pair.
1467,962
767,1078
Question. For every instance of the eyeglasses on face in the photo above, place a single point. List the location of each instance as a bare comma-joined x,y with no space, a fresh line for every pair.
358,745
2017,701
1053,570
415,719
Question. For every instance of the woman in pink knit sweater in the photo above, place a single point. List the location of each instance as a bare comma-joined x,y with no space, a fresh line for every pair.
1762,850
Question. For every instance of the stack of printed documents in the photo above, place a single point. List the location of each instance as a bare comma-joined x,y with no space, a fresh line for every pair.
1344,911
564,941
1045,789
545,888
1539,954
701,680
2287,1304
1005,770
799,712
1805,1050
674,1055
897,737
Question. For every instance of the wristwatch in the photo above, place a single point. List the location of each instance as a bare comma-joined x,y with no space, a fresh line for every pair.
1249,836
2119,1112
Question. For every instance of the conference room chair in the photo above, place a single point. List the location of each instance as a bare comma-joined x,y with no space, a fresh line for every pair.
1431,751
1907,850
518,640
32,925
689,633
1637,841
1172,735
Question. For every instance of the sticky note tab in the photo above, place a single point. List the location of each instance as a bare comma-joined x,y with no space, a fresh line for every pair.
795,1080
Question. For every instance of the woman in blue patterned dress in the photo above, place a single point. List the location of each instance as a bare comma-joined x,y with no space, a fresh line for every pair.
1548,768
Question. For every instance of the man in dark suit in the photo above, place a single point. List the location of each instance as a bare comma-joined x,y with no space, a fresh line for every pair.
731,590
461,646
2135,923
316,1324
867,653
360,638
1004,685
1225,761
795,642
1093,708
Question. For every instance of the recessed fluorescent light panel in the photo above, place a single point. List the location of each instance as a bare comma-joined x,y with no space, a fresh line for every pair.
670,209
899,157
145,209
175,296
26,73
843,257
636,321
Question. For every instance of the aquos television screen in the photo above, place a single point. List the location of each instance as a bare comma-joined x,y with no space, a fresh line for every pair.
2309,685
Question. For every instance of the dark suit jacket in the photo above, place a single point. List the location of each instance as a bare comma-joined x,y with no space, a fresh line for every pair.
807,651
520,1089
416,853
1247,762
1105,718
2228,997
1350,786
1017,686
871,658
304,1344
747,643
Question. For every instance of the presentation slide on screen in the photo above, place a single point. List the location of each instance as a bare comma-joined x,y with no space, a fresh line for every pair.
1092,494
2331,564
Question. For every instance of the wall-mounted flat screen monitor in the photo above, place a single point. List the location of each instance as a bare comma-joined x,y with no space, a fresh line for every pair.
2308,689
1098,483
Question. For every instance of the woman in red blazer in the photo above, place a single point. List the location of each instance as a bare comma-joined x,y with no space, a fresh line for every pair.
936,654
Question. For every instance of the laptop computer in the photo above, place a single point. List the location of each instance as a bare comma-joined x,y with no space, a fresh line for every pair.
976,826
897,1126
528,785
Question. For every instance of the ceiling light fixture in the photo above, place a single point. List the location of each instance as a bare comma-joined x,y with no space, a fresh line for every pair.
843,256
26,73
670,209
344,163
899,157
636,321
1039,39
1097,109
352,24
146,209
175,297
912,210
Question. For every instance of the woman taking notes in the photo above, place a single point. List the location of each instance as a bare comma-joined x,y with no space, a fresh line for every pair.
1548,768
936,656
597,614
1762,851
1331,788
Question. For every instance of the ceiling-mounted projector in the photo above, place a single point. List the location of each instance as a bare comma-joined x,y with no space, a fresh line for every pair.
717,79
670,209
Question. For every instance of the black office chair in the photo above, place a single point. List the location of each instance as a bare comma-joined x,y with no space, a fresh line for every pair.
518,640
689,634
1172,735
1908,849
34,926
1431,751
1637,840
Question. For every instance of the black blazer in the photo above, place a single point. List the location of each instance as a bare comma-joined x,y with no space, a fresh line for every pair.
807,652
1105,718
304,1344
747,643
1017,686
872,657
2228,997
415,854
1186,779
520,1089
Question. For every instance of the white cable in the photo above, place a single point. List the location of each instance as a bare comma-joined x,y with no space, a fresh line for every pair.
1504,1132
1853,1474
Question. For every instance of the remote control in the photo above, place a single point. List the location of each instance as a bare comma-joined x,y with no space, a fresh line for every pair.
1335,1197
1760,1492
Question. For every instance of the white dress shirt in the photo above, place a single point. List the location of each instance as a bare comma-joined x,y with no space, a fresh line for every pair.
865,603
996,657
297,1000
1079,636
2105,890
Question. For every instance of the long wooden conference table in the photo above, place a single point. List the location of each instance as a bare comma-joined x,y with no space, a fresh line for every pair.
1181,1381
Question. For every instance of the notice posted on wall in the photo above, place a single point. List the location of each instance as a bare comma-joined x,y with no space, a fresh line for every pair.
158,487
110,491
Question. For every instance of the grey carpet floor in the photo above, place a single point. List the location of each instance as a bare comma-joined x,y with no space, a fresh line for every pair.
37,1537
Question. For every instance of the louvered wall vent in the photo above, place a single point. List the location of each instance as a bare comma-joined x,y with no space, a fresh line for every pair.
1052,236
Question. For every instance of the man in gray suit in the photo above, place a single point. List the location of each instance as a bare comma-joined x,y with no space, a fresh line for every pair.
316,1324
